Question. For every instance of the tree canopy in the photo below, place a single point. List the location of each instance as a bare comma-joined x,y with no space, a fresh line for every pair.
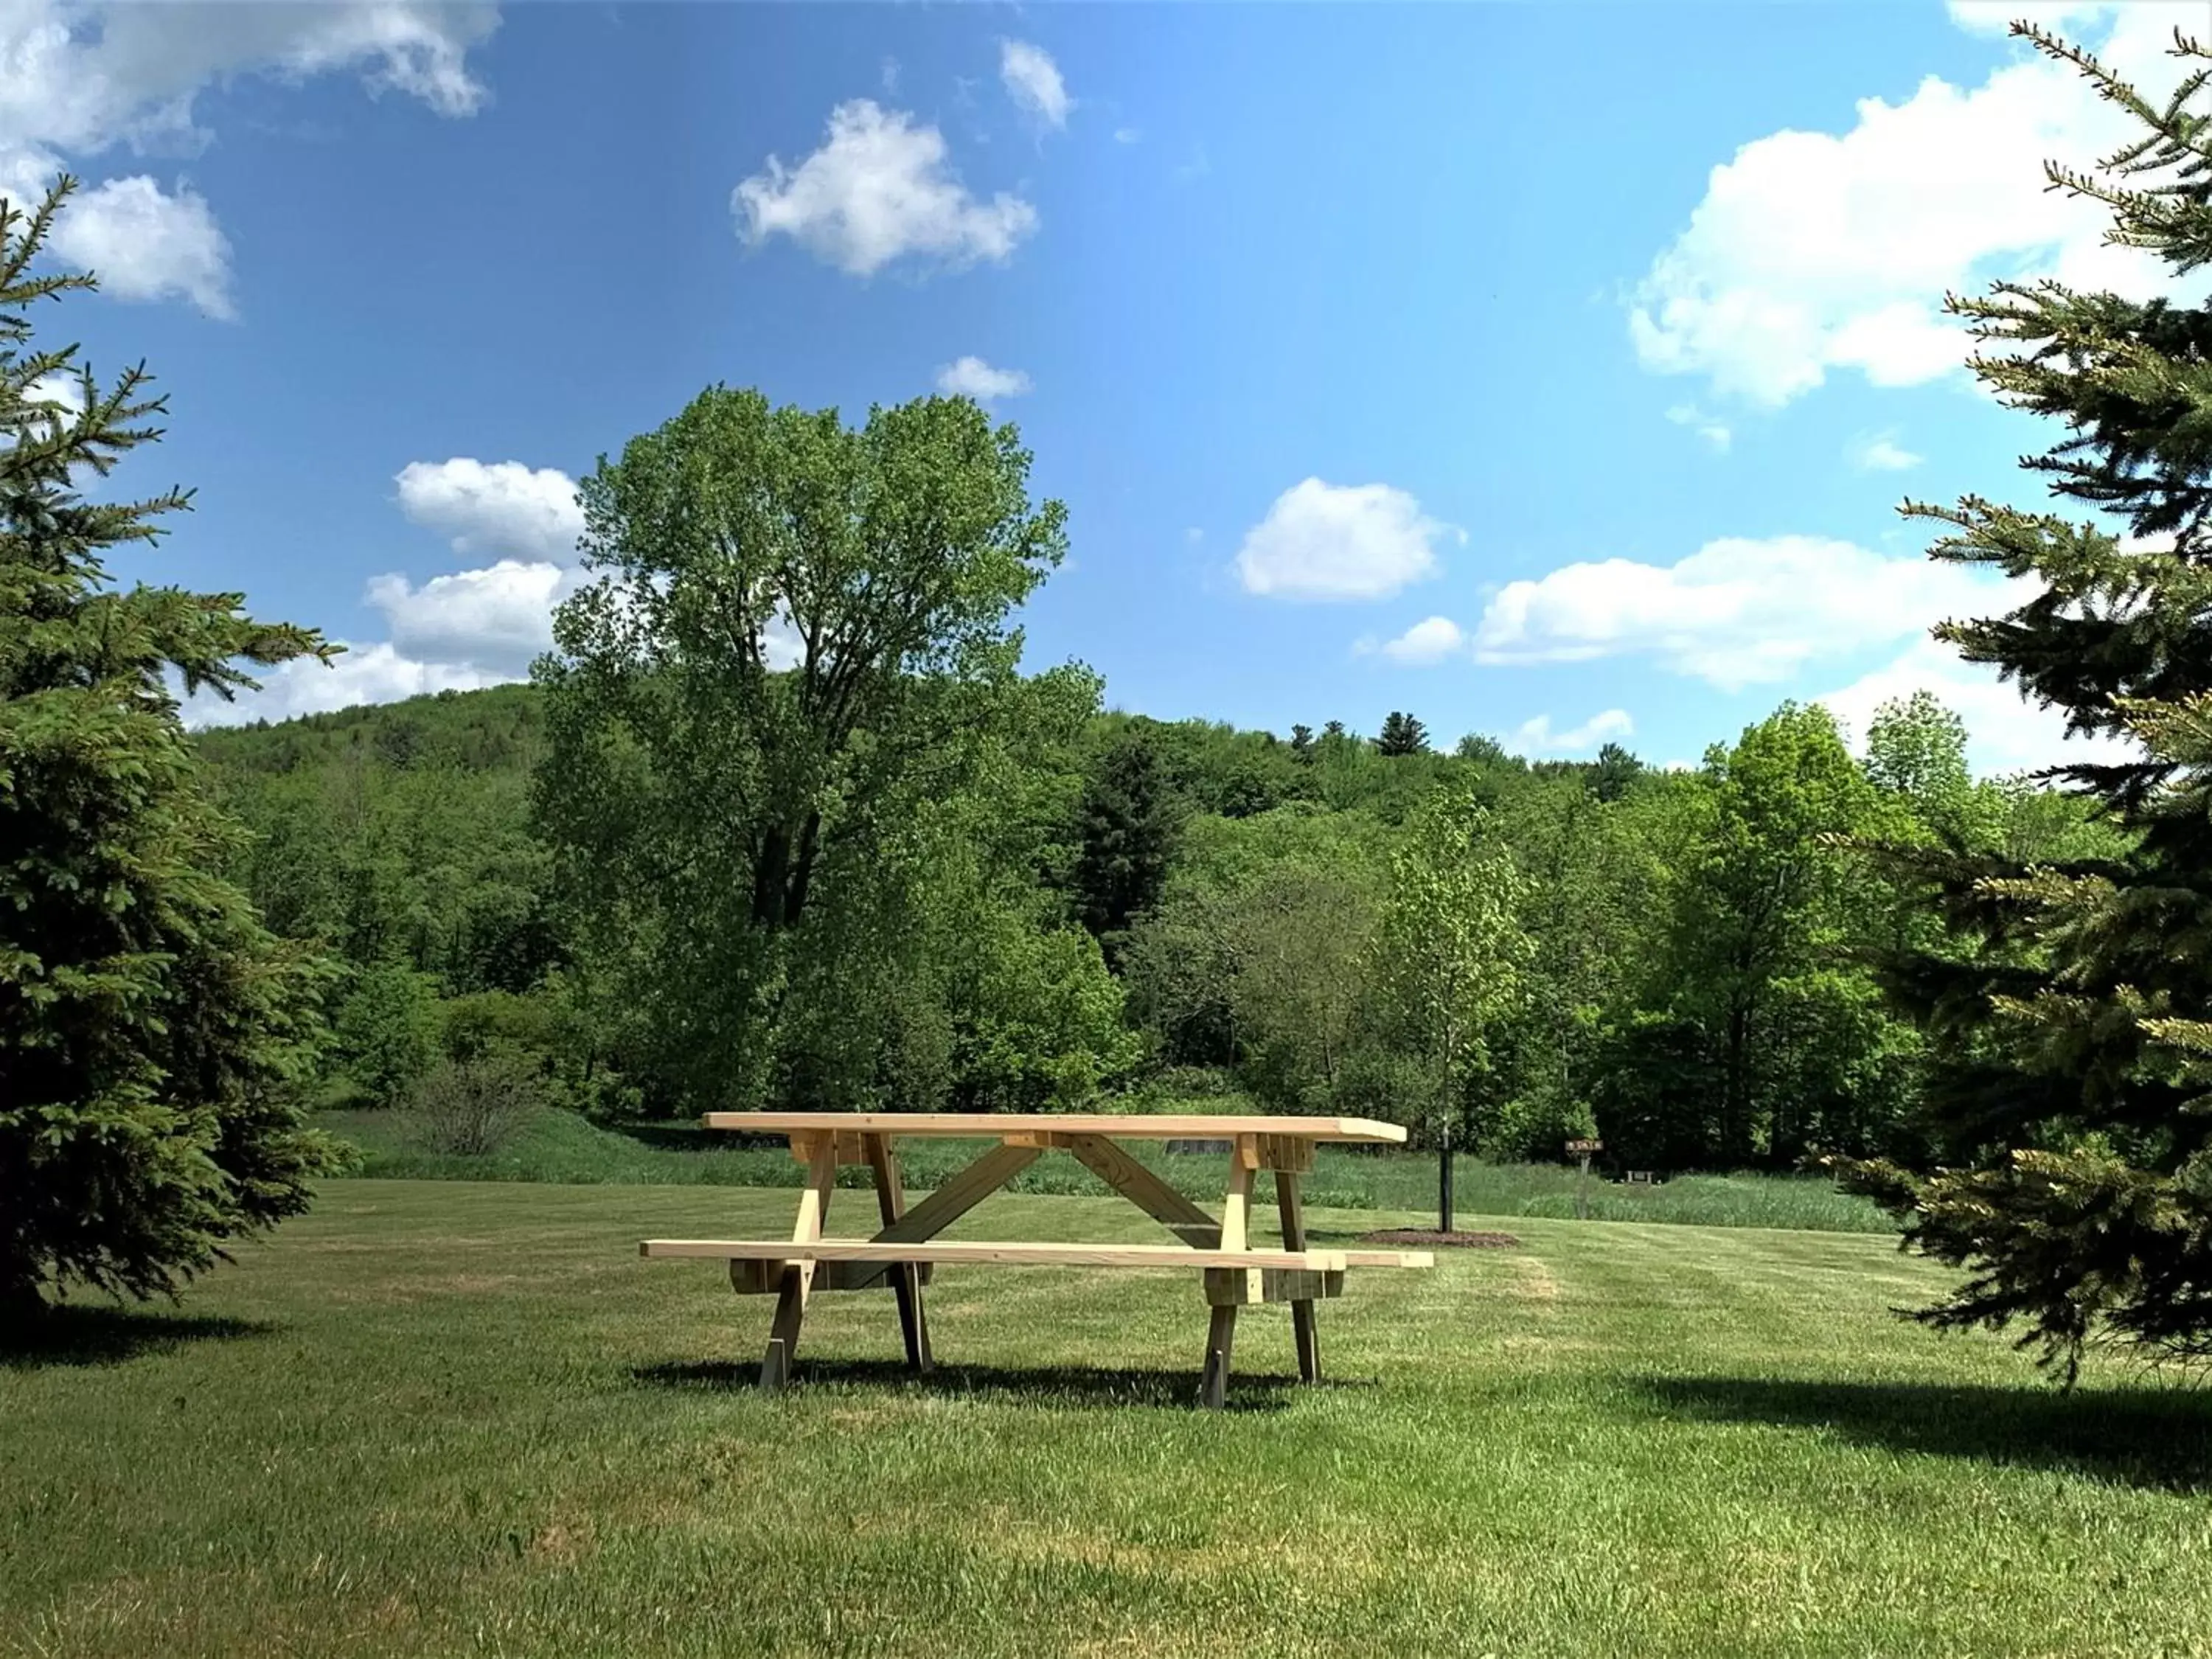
768,710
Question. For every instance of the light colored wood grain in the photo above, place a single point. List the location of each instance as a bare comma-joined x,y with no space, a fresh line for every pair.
961,1191
848,1147
1305,1337
1237,1206
798,1272
1007,1254
906,1277
757,1276
1389,1258
1296,1286
1226,1290
1130,1178
1129,1126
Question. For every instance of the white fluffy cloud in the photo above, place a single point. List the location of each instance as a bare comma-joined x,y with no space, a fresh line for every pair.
458,630
1812,252
971,377
1880,452
878,190
1033,80
1429,640
145,243
1536,737
491,621
1322,541
1736,612
78,78
362,674
501,508
2005,730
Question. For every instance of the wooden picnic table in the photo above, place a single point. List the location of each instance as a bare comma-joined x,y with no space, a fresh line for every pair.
905,1247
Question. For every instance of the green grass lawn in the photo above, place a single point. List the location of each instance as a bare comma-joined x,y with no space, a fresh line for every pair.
561,1147
439,1418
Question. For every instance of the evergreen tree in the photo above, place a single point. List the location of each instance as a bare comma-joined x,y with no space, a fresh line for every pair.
1613,772
1302,744
2068,1015
150,1024
1129,822
1402,735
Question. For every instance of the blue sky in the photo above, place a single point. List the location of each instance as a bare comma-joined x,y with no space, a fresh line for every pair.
1548,370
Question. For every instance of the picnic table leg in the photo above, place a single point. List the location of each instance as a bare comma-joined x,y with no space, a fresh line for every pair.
906,1279
1293,1215
799,1276
1220,1337
1221,1328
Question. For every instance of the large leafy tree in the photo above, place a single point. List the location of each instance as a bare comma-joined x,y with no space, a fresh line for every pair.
797,646
1590,882
1758,1039
1763,910
150,1026
2066,1015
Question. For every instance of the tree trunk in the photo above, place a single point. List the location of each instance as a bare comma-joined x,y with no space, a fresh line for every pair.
768,869
1735,1089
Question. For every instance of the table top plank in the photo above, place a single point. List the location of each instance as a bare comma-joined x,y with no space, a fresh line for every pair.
1134,1126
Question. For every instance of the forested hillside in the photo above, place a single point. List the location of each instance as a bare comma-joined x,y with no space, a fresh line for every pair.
1165,911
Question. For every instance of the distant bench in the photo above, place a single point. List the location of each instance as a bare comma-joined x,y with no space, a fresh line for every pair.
906,1248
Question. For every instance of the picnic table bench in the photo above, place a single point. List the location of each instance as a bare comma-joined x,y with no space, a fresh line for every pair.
905,1247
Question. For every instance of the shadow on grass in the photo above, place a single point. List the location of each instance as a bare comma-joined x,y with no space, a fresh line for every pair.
1041,1385
2150,1437
78,1334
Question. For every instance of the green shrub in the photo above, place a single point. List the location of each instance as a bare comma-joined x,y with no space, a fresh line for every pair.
473,1108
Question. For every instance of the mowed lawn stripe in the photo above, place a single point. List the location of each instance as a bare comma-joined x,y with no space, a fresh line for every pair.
441,1418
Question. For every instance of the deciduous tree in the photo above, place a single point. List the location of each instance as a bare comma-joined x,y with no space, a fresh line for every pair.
1449,953
798,636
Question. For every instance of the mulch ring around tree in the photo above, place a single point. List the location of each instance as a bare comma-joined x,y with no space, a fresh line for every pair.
1430,1235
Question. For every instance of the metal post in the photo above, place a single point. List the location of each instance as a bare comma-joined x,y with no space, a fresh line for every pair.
1444,1181
1581,1192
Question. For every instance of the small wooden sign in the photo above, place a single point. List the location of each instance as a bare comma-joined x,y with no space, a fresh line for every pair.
1586,1145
